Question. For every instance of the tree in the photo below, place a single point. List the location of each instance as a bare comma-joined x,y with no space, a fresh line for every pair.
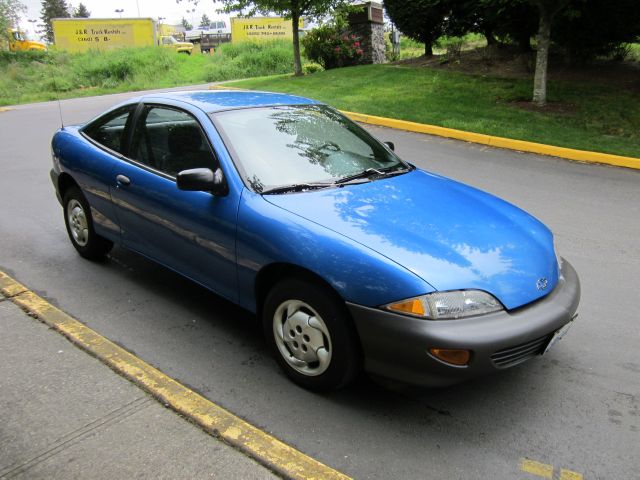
585,30
52,9
10,11
547,10
421,20
291,9
185,23
507,20
205,21
81,11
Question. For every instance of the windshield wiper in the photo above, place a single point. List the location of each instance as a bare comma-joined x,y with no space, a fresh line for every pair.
296,187
370,172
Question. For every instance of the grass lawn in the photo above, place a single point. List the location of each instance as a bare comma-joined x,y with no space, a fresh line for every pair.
37,76
583,116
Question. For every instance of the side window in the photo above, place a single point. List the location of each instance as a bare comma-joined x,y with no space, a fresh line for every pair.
170,141
110,130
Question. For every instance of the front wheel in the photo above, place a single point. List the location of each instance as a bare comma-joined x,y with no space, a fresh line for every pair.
79,223
311,335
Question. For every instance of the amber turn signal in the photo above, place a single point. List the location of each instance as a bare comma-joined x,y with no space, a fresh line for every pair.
452,356
412,306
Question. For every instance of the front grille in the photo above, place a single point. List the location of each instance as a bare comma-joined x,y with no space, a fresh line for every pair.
511,356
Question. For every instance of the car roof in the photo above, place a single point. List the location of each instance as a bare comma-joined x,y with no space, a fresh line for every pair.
218,100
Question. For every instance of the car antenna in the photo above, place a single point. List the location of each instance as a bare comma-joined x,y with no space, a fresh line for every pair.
55,89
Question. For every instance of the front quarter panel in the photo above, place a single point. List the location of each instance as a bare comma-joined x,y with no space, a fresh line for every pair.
268,234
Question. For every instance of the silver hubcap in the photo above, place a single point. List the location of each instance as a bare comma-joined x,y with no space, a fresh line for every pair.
77,222
302,337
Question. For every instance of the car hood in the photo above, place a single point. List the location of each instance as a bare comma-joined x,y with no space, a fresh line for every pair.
451,235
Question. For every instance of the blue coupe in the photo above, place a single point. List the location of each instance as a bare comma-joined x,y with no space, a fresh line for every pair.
353,258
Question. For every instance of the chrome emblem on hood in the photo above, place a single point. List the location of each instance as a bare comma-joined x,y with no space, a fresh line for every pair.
542,283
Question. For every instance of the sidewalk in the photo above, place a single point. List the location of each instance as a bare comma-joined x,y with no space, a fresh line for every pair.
65,415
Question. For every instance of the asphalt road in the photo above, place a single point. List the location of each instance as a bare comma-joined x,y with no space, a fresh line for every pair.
575,409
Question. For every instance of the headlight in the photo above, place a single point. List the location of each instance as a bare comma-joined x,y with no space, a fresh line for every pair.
447,305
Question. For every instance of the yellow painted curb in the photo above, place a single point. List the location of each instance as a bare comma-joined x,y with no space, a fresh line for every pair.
520,145
266,449
500,142
223,87
5,109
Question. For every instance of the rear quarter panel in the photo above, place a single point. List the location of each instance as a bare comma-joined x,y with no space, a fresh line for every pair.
91,168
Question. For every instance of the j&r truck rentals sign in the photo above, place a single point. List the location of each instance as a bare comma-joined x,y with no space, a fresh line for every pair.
102,33
261,29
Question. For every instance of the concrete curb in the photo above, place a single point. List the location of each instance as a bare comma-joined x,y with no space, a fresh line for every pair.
255,443
499,142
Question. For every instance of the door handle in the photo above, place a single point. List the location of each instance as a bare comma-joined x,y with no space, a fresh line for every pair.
122,180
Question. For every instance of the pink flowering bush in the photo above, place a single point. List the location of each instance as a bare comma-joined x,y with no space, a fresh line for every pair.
332,48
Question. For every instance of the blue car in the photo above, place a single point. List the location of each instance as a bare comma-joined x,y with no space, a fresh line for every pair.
353,258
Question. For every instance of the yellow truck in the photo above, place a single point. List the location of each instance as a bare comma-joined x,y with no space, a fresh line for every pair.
168,41
18,41
82,34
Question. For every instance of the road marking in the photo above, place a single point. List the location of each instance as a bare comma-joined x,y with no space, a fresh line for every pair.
546,471
536,468
5,109
281,458
569,475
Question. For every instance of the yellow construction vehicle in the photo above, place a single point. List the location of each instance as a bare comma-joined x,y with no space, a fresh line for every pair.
18,41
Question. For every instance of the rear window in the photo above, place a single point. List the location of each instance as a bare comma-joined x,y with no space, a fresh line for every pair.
109,130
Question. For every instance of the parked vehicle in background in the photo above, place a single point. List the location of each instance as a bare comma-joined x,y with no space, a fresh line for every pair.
181,47
211,41
220,27
19,41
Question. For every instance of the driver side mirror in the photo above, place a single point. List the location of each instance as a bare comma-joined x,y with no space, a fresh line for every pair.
203,179
391,146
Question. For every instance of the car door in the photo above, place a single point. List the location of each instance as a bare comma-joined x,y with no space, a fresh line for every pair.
190,232
91,165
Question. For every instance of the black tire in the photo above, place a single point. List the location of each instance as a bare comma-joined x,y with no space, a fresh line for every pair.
79,223
332,330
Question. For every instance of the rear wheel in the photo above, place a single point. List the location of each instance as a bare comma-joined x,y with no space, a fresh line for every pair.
311,335
79,223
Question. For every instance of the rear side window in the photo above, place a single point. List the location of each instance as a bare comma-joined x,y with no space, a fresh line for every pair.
109,131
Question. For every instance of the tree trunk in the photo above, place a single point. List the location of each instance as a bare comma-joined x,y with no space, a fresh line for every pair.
491,40
542,57
428,49
297,64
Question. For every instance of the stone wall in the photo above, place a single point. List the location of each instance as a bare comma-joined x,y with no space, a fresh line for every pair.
372,41
371,32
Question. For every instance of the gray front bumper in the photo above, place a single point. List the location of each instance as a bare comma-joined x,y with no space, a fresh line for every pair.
396,346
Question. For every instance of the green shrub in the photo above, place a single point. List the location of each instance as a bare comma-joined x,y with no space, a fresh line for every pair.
28,56
249,59
110,70
332,47
309,68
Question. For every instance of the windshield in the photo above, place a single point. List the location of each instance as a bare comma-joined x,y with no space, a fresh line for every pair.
310,145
